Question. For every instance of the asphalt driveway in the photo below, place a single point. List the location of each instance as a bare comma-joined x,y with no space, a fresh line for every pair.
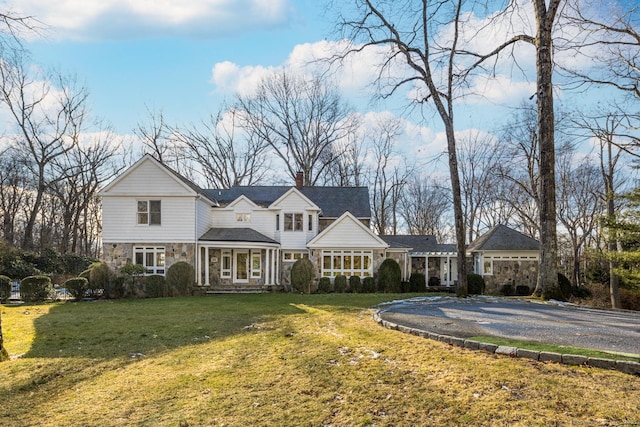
552,323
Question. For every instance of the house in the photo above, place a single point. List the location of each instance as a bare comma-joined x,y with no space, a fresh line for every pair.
249,237
242,237
503,255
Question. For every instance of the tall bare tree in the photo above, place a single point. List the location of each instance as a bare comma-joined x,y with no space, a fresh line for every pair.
411,33
301,119
425,205
224,152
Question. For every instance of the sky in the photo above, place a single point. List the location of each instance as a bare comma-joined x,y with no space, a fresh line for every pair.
187,57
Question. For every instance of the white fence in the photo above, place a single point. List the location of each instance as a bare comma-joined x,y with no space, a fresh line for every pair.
57,293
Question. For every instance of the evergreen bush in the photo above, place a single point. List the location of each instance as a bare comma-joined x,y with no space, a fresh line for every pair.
155,286
35,288
417,282
565,286
133,280
77,287
355,284
475,284
181,276
506,289
434,281
340,284
5,288
369,285
405,286
523,290
302,274
324,285
99,279
389,276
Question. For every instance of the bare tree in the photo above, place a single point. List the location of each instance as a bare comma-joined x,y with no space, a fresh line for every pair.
225,154
301,119
425,205
14,183
410,31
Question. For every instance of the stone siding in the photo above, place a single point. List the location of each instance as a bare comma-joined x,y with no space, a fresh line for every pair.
116,255
513,272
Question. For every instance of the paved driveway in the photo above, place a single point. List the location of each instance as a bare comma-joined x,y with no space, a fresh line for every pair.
551,323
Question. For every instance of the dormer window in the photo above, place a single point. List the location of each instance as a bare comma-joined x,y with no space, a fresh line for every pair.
149,212
293,222
243,217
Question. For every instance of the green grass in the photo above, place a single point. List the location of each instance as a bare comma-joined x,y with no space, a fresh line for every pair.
276,359
555,348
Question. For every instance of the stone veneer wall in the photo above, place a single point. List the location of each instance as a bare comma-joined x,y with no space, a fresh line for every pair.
514,272
116,255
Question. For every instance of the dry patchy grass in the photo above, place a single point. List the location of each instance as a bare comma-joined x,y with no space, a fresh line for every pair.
265,360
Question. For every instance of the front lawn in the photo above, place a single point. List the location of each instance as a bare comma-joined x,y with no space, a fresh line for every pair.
276,359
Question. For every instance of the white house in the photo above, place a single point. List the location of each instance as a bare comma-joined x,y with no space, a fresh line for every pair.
249,237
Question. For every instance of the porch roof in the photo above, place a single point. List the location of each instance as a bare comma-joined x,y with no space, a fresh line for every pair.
420,244
248,235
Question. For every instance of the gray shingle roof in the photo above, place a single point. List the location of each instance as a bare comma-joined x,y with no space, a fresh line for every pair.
503,238
423,243
333,201
235,235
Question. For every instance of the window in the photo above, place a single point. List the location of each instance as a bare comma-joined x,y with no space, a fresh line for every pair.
149,212
243,217
152,258
292,256
277,222
293,222
310,222
256,264
348,263
487,266
225,265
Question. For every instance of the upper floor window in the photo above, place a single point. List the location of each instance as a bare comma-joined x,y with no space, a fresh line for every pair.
243,217
149,212
310,222
293,222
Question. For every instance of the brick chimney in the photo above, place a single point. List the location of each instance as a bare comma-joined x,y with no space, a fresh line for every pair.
299,179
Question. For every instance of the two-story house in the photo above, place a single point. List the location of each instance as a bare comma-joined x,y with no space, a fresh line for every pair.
239,237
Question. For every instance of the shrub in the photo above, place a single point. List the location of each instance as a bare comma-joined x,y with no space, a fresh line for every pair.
35,288
369,285
155,286
580,291
389,276
475,284
117,287
324,285
133,276
302,274
417,282
340,284
5,288
434,281
77,287
405,286
506,289
565,286
180,278
74,263
523,290
99,279
355,284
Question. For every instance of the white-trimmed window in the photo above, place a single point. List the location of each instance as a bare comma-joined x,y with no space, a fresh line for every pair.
256,264
243,217
310,226
225,265
293,222
149,212
487,266
347,263
292,256
152,258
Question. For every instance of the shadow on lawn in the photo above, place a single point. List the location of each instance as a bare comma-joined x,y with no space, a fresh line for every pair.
127,328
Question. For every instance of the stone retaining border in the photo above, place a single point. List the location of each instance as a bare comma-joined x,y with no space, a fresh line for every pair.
628,367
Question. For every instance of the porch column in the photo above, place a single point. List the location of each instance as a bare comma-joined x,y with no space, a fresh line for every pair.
448,270
426,269
267,268
206,266
277,261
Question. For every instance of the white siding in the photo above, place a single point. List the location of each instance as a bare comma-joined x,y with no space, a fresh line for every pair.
348,234
119,223
204,220
147,179
294,203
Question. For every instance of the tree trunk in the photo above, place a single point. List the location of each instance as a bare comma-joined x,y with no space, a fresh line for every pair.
614,292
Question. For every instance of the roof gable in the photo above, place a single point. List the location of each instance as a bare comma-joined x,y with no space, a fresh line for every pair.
347,232
293,193
503,238
242,201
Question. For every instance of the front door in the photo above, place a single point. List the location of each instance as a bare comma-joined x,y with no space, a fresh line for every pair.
241,267
448,271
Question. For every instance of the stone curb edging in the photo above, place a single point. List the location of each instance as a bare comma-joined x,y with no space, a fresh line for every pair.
627,367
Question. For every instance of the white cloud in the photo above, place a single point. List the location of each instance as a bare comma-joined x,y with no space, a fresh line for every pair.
117,19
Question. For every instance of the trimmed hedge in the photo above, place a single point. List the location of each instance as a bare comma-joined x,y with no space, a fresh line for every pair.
340,284
369,285
355,284
389,276
100,279
302,274
35,288
324,285
5,288
180,278
475,284
155,286
417,282
77,287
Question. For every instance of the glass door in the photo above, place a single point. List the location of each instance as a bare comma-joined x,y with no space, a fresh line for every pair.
241,267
